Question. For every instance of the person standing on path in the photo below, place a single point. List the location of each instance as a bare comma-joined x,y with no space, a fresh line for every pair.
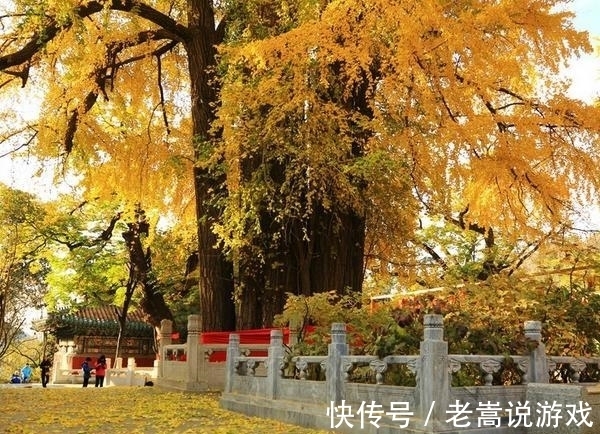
45,367
86,369
26,372
100,369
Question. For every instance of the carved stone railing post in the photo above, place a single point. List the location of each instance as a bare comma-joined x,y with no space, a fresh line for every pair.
166,328
193,342
334,374
251,366
523,365
489,368
538,365
131,365
347,368
274,364
233,352
433,379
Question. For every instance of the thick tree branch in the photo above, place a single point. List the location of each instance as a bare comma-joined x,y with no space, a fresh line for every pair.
107,72
142,38
73,121
23,74
488,233
170,28
436,257
220,32
104,236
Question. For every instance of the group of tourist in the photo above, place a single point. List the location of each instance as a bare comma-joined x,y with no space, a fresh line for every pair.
24,376
99,368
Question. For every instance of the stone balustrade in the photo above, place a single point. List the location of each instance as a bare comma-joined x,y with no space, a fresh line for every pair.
190,367
312,403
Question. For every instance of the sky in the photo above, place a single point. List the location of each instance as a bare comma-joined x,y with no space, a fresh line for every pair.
585,71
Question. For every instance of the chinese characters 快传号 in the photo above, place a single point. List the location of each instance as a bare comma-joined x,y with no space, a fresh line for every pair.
487,414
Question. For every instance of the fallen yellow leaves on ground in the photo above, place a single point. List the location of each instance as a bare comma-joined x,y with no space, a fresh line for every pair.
132,410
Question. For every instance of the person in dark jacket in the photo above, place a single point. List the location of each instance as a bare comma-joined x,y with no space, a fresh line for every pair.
86,369
16,377
45,367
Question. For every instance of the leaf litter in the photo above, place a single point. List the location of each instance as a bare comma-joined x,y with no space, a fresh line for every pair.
131,410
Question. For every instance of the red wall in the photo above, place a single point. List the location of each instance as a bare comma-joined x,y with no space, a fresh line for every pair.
141,362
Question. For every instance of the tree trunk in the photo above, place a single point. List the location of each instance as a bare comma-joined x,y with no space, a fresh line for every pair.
324,252
129,289
153,303
331,259
249,292
216,271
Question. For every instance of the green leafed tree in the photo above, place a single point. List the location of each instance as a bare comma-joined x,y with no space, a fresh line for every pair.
99,260
22,268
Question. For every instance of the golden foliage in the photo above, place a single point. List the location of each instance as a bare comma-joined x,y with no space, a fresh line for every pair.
383,110
462,97
127,142
484,318
125,410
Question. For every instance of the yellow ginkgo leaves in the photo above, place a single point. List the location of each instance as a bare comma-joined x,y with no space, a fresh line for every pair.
67,410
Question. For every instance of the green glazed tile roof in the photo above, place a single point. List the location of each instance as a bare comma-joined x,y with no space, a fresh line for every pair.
90,321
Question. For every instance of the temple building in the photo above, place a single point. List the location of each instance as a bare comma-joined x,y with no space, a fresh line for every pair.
92,331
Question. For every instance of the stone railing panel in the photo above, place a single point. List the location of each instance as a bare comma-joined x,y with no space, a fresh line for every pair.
428,402
248,365
576,366
488,364
302,363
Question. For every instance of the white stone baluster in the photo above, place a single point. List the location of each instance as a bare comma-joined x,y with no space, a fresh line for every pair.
577,366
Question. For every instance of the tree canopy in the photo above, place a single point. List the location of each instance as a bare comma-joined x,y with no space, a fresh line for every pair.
314,136
484,139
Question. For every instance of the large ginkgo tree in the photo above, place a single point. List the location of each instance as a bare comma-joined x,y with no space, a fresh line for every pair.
314,133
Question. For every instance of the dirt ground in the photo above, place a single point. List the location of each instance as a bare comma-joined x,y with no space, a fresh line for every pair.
131,410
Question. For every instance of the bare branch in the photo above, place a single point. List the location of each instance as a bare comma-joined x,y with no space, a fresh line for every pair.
162,94
23,74
532,248
488,233
21,146
78,207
